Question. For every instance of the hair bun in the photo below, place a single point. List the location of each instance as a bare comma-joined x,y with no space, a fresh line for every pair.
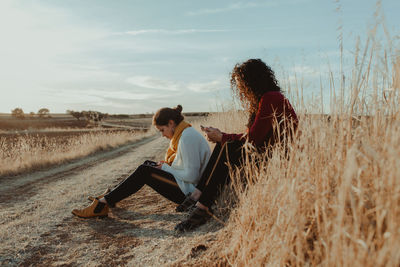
178,108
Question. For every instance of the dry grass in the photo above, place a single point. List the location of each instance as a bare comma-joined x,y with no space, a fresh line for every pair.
56,142
20,153
335,200
36,148
7,122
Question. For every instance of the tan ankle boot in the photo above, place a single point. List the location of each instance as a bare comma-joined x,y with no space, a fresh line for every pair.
96,209
99,196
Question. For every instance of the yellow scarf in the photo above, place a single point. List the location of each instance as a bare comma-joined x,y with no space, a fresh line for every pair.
173,144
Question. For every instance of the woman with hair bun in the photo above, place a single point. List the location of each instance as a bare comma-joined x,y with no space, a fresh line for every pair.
173,178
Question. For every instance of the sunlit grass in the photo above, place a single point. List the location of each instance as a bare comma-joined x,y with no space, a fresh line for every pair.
335,199
28,152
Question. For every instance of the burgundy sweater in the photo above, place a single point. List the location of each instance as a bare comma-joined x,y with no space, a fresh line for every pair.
261,133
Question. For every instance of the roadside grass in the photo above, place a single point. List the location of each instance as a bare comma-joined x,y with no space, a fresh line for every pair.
335,200
22,153
55,143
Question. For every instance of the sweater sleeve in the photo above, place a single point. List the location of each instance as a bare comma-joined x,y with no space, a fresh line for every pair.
232,137
191,163
270,105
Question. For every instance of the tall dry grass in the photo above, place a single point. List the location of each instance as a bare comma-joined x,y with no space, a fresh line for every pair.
25,153
336,200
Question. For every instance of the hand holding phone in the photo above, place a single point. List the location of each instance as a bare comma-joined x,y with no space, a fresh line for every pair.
150,163
203,128
213,134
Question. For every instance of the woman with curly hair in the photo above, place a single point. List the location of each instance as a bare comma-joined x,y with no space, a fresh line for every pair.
271,120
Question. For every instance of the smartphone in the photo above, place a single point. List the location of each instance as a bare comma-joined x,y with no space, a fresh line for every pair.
150,163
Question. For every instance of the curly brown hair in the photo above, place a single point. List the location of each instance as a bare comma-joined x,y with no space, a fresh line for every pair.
250,80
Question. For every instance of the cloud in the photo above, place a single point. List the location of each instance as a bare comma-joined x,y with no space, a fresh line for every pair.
245,5
123,95
39,43
94,93
305,70
111,100
302,73
206,86
154,83
168,85
170,32
231,7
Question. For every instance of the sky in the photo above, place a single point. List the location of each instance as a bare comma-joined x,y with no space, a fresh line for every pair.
137,56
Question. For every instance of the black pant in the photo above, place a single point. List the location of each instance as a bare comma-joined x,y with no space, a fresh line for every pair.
161,181
216,174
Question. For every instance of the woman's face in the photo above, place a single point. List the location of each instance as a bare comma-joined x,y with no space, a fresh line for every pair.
167,130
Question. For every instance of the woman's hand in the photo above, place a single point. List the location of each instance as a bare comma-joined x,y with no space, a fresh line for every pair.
213,134
159,164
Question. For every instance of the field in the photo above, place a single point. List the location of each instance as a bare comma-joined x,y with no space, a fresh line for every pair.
331,199
37,228
33,143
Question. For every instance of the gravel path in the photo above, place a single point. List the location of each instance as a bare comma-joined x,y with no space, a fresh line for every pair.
38,229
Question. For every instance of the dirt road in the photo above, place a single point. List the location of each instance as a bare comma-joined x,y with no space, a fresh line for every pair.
38,229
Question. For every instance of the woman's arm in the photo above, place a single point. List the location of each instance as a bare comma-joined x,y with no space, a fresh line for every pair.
232,137
188,152
213,134
271,104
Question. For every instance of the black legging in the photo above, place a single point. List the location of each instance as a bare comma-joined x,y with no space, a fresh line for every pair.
161,181
216,174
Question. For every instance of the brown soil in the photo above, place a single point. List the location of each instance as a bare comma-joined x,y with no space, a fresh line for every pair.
10,123
38,229
7,122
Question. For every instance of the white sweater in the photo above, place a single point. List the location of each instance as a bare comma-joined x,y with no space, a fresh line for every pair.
190,160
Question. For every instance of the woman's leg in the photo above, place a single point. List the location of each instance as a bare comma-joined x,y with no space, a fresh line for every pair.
230,153
161,181
195,195
210,166
211,187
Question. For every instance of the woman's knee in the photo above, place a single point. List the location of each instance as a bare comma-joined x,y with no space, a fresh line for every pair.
233,151
233,146
143,167
140,172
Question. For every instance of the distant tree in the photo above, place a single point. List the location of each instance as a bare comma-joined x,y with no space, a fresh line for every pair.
102,116
86,114
95,116
18,113
91,115
76,114
31,114
43,112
